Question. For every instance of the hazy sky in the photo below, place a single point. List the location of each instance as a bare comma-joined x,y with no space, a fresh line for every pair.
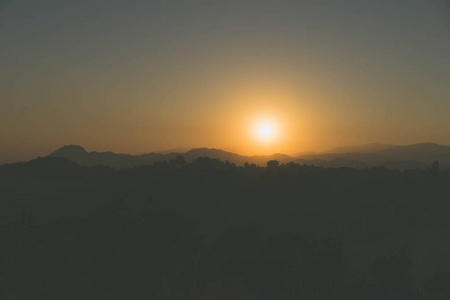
138,76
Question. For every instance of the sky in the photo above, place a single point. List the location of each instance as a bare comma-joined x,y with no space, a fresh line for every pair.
140,76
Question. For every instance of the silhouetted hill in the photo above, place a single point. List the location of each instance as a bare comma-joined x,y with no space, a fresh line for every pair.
262,159
395,157
69,151
174,150
214,153
424,152
334,163
399,157
82,157
79,155
40,165
368,148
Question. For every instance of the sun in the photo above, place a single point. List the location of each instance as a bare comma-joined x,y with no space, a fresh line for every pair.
265,131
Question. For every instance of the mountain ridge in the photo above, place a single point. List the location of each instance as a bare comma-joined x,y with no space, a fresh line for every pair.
401,157
69,150
365,148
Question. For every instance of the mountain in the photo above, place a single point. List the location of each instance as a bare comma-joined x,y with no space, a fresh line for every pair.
367,148
69,150
393,157
79,155
40,165
174,150
424,152
263,159
82,157
214,153
401,157
298,154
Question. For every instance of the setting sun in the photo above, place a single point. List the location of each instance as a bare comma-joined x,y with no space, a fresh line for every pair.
266,131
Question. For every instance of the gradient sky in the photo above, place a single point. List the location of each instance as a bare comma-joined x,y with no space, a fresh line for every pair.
138,76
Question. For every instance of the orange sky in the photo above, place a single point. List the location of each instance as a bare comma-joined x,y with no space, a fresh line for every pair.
141,76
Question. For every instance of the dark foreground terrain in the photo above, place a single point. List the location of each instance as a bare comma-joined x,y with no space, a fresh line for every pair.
211,230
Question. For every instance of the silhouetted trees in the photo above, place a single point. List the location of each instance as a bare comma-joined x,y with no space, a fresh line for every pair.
271,164
209,229
392,275
439,285
435,166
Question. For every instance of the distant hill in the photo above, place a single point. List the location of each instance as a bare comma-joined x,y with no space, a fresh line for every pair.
367,148
263,159
214,153
41,165
79,155
69,150
398,157
174,150
393,157
424,152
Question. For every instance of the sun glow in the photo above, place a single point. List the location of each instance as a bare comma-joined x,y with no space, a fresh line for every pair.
266,126
266,131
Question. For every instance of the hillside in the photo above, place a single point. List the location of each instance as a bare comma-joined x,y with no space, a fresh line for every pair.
393,157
